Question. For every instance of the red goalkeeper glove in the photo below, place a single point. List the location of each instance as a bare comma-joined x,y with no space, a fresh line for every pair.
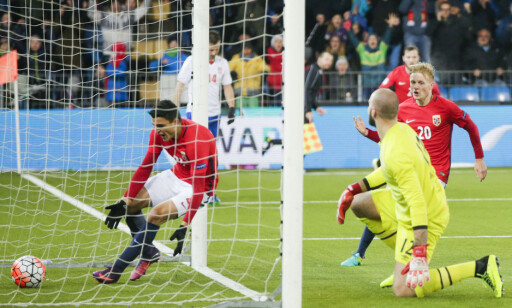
417,268
346,200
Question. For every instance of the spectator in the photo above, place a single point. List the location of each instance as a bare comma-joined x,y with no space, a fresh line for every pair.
449,37
373,56
485,60
313,82
15,32
116,24
315,41
342,84
169,65
35,65
250,15
504,30
232,49
275,23
335,48
378,14
247,69
335,28
414,23
275,61
67,59
483,15
116,82
458,10
360,8
4,46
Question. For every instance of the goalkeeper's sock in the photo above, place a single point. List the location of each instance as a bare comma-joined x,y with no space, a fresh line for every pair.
144,238
444,277
136,222
366,240
375,226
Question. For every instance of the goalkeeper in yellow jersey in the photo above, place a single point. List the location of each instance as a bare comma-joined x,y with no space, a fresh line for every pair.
412,213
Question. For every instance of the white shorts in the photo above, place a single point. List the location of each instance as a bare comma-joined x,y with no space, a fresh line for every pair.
167,186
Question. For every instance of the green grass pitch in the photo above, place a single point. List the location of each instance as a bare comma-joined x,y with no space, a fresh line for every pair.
244,242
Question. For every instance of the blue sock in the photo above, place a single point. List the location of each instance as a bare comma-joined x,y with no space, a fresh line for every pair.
143,238
365,241
136,222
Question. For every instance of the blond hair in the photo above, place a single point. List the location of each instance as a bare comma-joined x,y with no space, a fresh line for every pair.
426,69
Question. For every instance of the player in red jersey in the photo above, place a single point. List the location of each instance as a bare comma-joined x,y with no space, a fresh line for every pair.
170,194
432,117
399,77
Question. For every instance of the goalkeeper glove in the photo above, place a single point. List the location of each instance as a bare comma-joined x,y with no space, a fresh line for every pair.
346,200
117,211
417,268
179,234
231,115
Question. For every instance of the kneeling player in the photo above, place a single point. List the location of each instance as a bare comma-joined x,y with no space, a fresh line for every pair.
171,194
412,221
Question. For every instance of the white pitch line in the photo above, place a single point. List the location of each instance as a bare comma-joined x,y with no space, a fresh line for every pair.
334,202
233,285
443,237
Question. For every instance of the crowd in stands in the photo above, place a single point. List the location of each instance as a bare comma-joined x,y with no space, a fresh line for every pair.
76,51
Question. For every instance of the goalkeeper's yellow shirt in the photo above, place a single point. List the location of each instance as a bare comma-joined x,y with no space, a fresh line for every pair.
406,167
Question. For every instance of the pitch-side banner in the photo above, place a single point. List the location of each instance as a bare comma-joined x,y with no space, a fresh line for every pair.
88,139
254,142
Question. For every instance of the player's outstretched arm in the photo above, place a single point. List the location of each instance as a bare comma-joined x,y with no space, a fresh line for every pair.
177,93
229,93
480,169
368,133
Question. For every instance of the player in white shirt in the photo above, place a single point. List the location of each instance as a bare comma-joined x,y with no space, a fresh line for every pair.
219,75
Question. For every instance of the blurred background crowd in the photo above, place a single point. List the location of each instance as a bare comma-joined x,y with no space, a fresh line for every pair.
87,53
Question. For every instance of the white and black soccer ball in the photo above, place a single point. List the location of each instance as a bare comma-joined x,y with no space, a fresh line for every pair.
28,272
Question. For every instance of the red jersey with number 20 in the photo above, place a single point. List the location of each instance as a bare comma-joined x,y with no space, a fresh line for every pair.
434,125
195,152
400,80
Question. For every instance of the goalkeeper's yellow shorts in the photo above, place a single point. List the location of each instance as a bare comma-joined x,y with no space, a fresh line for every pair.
385,204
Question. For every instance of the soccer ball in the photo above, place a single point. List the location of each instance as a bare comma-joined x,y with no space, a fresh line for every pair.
28,272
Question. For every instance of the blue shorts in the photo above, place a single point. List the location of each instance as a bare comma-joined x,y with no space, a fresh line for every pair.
213,123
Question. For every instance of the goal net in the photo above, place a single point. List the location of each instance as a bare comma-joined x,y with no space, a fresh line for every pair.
74,126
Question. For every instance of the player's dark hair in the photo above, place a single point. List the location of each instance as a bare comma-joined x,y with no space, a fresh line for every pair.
166,109
214,37
411,48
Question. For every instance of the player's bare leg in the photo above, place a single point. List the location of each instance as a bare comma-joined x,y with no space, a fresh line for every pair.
162,213
142,200
364,207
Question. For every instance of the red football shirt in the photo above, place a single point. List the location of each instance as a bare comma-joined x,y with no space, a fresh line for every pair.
195,152
399,79
434,125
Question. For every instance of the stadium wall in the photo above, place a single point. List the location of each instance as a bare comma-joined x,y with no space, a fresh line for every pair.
83,139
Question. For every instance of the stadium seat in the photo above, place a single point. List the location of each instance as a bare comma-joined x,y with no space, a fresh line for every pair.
159,10
159,48
495,93
464,94
444,92
143,48
149,90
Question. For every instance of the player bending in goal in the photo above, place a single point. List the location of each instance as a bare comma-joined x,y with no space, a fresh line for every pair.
412,214
170,194
432,117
